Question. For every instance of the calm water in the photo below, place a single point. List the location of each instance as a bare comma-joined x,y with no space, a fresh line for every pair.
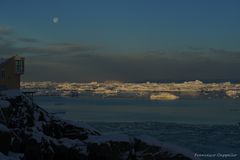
202,126
204,111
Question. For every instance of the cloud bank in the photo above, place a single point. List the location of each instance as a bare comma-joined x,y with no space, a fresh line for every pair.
73,61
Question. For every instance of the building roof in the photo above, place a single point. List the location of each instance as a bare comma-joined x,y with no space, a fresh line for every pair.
2,60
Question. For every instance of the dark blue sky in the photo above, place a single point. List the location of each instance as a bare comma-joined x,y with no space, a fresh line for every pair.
124,40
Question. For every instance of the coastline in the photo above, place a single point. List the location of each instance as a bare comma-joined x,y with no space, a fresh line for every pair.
191,89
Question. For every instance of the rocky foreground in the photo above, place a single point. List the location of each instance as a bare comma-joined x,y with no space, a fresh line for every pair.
27,132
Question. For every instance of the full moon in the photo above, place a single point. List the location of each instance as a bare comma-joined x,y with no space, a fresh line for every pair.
55,19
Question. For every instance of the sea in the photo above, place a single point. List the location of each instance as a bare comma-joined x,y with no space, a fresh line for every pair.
203,126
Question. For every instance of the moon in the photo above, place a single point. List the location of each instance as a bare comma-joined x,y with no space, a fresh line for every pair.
55,19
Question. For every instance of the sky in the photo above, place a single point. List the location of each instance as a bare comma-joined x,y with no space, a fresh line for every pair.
131,41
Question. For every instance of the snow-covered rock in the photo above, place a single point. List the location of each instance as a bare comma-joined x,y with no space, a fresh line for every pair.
4,104
149,146
12,156
30,130
11,93
123,147
3,128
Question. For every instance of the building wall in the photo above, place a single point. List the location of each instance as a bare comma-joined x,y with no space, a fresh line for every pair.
11,80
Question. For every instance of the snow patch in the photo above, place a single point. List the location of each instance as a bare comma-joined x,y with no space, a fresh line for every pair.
80,125
4,104
11,156
107,138
11,93
70,142
166,147
3,128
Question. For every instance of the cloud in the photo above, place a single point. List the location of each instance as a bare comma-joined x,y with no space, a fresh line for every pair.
5,30
58,49
196,54
27,40
11,44
73,61
71,47
154,65
138,67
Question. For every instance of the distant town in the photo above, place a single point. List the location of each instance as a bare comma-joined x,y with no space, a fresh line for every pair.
153,91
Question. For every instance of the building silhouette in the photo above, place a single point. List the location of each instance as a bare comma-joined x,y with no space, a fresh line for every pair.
11,70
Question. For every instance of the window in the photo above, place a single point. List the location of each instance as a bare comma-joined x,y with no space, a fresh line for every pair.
19,66
3,74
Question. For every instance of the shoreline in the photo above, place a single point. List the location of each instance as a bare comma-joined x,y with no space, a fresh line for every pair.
119,89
